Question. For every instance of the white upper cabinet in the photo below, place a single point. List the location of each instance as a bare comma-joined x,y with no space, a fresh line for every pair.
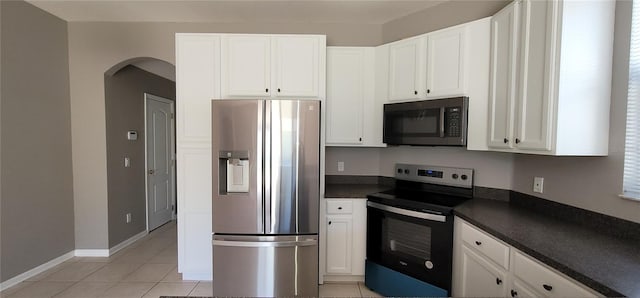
504,46
428,66
445,62
405,69
297,62
273,66
246,65
345,94
354,95
551,77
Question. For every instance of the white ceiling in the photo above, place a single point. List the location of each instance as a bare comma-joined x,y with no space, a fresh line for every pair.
228,11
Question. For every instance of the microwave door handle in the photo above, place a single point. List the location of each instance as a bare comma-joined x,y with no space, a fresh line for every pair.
442,122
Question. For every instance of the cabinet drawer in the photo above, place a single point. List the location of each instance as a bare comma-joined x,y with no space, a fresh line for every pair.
544,280
339,207
490,247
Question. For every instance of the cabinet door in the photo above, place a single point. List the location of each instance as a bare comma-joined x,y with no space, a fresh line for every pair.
339,235
246,65
445,62
297,62
345,95
480,278
404,77
537,62
359,247
520,289
198,81
502,89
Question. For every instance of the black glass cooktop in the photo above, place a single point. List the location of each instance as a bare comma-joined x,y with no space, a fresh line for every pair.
421,200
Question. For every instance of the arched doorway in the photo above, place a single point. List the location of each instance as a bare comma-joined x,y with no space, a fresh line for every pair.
127,85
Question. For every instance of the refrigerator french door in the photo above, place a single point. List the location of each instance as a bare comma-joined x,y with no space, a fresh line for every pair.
266,188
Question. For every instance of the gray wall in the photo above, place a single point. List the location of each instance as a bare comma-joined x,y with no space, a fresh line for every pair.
441,16
591,183
492,169
124,105
37,222
96,47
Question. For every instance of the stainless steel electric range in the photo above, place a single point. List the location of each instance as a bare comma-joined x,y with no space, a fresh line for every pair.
410,231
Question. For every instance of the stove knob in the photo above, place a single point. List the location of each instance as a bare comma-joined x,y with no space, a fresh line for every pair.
406,172
399,171
463,177
428,264
454,176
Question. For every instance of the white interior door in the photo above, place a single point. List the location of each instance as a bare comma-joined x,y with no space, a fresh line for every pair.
160,157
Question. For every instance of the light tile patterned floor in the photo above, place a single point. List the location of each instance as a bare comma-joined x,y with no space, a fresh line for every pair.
147,268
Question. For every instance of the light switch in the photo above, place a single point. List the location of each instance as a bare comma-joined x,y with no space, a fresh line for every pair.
127,162
341,166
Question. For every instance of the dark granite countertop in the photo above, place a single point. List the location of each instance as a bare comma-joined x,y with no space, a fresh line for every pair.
355,186
355,191
604,262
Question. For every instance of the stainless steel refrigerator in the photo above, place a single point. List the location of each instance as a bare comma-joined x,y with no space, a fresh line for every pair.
266,188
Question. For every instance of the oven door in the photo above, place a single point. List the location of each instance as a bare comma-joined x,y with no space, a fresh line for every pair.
414,243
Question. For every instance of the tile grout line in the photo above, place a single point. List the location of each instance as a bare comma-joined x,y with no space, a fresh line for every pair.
194,288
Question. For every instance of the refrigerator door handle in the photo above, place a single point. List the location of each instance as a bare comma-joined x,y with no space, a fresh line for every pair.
268,217
306,242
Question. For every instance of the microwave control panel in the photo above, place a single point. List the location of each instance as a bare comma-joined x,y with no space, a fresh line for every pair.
453,122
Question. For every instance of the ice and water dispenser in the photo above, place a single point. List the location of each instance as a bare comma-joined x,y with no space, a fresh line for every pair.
234,171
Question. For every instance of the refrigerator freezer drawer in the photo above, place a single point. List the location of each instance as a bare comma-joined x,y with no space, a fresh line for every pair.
265,266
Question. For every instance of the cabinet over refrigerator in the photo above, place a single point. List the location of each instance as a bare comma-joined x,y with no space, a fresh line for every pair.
266,189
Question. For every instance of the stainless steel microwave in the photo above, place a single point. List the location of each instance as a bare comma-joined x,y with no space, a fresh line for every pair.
437,122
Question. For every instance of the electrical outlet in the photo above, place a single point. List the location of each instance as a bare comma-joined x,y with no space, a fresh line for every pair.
538,183
341,166
128,217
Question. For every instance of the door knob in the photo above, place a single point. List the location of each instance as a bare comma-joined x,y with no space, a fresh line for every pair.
505,140
517,141
478,243
547,287
498,281
514,293
329,222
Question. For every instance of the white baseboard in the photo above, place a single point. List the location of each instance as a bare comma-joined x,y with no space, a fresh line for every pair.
92,252
127,242
35,271
196,276
78,253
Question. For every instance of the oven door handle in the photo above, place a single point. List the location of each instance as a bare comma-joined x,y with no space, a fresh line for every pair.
410,213
442,122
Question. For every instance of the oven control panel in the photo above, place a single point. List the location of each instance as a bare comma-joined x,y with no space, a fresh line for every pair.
459,177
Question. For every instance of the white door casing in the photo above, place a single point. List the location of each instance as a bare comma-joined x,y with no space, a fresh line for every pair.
160,157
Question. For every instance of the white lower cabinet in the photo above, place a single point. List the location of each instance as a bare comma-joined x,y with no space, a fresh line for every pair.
479,277
478,272
519,288
339,235
343,239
